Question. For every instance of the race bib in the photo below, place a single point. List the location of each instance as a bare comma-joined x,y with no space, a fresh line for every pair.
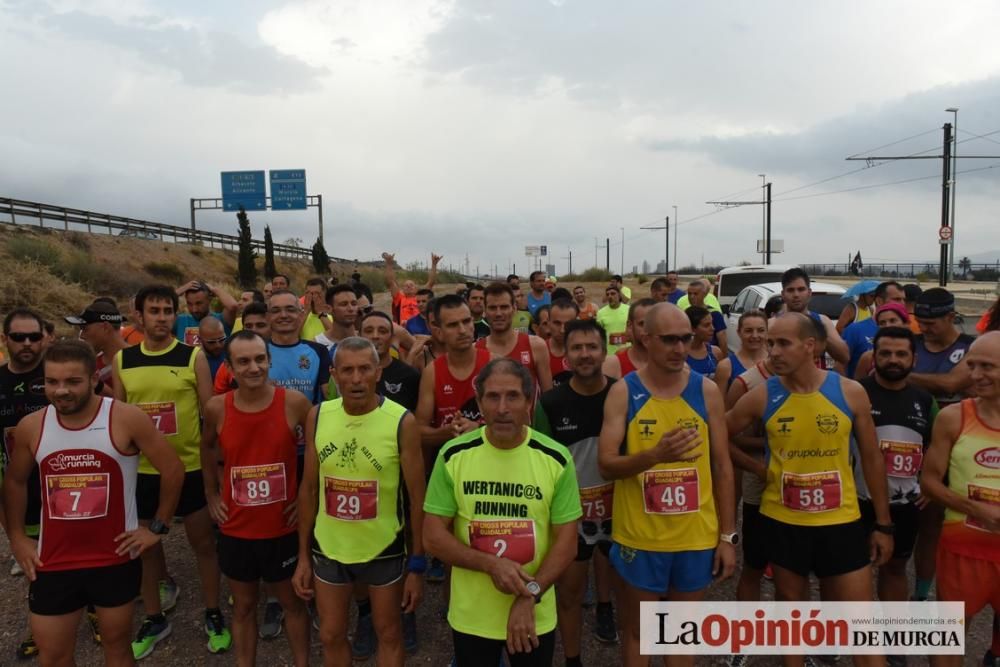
513,539
983,494
83,496
670,491
596,501
902,459
258,485
164,416
813,492
191,337
617,338
351,499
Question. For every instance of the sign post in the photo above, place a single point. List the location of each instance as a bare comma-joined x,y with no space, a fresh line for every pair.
244,188
288,189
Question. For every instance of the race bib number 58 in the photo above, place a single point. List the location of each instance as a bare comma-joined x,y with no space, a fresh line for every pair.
813,492
670,491
513,539
83,496
164,416
351,499
258,485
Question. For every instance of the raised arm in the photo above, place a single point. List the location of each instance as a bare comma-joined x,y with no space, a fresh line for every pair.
835,345
389,270
229,304
432,276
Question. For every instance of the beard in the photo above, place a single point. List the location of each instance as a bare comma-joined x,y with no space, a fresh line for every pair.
893,372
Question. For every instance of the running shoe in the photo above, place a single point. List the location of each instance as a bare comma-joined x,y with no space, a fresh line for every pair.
410,643
15,568
738,661
435,573
605,629
990,660
589,599
273,616
150,634
27,649
95,629
895,660
769,572
219,638
363,646
169,592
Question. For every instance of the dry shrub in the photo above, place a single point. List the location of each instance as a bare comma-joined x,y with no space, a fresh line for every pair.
29,283
165,271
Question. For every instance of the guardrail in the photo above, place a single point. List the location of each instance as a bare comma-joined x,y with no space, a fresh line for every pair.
978,271
21,212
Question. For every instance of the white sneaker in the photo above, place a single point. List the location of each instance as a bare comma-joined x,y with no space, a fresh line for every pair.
15,569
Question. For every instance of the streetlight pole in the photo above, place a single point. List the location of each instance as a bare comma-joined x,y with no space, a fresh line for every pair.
623,252
763,218
676,222
954,177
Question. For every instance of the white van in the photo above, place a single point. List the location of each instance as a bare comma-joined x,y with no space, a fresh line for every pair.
730,281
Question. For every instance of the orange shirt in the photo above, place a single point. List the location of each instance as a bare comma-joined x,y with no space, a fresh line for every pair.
132,335
407,306
589,311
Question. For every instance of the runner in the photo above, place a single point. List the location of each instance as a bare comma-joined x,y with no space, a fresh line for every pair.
340,319
857,311
809,508
246,298
796,292
960,472
673,484
887,315
540,322
859,335
212,340
280,282
912,293
703,357
751,328
170,382
698,295
613,318
402,340
404,299
316,302
132,332
513,280
530,351
674,293
425,352
563,312
267,289
303,365
522,320
252,431
476,298
632,358
254,319
574,412
626,292
418,324
501,508
198,298
397,381
100,325
537,296
354,528
89,540
588,309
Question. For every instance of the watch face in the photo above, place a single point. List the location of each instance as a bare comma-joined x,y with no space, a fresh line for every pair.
533,587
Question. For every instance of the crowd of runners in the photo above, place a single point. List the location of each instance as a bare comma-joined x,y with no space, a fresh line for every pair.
513,440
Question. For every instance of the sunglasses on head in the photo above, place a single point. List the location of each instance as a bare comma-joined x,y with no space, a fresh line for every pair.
671,339
19,337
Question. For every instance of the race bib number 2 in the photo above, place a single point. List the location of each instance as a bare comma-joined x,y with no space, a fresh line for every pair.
902,459
982,494
597,502
258,485
351,499
83,496
670,491
164,416
513,539
813,492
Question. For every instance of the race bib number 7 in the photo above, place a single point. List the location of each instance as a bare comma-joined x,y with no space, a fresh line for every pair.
513,539
670,491
982,494
164,416
902,459
351,499
258,485
83,496
813,492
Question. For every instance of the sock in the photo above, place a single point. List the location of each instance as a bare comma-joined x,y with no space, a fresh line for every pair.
574,662
603,607
364,607
215,611
922,589
271,600
157,618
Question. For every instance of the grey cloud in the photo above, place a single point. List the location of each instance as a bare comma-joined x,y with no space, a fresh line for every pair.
205,59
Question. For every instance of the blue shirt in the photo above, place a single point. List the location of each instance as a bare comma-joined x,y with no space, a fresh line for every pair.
534,304
859,337
674,296
417,326
303,366
186,328
213,362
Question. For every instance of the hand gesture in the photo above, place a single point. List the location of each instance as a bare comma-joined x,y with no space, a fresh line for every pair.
677,445
435,259
521,634
134,542
509,577
413,592
389,258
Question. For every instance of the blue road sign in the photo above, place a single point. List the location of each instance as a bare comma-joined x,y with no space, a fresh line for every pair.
288,189
545,250
244,188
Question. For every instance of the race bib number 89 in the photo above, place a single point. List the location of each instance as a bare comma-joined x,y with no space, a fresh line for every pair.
513,539
670,491
351,499
258,485
813,492
83,496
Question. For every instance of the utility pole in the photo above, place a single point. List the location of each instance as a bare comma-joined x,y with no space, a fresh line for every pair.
666,250
766,203
677,223
623,252
954,178
570,258
946,176
607,255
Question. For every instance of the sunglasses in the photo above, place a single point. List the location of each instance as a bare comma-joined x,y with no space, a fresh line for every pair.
367,309
670,339
215,341
18,337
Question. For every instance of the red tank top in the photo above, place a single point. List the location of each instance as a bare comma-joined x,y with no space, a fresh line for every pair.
558,366
88,493
259,478
625,361
453,396
521,353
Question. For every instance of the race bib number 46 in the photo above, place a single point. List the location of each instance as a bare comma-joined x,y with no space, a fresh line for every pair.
351,499
513,539
258,485
983,494
902,459
596,501
813,492
164,416
670,491
83,496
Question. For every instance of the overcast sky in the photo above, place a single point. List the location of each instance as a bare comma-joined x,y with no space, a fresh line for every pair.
482,127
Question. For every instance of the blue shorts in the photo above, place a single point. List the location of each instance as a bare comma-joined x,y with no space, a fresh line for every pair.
660,572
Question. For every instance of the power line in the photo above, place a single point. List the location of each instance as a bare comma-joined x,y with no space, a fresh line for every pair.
878,148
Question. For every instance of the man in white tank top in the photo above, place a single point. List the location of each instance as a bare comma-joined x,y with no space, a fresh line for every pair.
87,450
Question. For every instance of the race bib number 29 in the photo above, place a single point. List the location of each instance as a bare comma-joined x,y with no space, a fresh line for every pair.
351,499
164,416
513,539
813,492
83,496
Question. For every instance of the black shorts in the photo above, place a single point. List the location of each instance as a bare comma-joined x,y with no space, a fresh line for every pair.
474,651
147,495
271,559
585,552
66,591
752,538
383,571
905,518
826,551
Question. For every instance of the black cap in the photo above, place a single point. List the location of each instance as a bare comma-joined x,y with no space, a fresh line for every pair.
935,302
912,292
99,311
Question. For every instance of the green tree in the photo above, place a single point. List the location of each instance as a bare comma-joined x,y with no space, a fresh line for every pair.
270,271
247,270
966,265
321,261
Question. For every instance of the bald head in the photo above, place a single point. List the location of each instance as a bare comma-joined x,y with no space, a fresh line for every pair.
210,327
988,343
664,316
983,359
792,341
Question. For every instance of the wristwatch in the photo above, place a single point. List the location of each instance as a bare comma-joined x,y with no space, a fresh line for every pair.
885,528
535,589
730,538
157,527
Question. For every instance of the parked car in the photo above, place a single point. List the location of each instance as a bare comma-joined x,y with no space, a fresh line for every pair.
729,281
826,299
140,234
